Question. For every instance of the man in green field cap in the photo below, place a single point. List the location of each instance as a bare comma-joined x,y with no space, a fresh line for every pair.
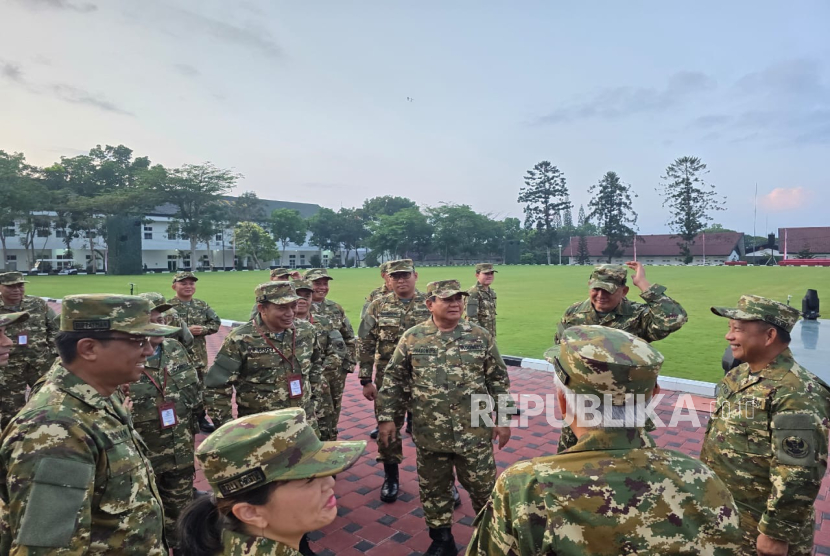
607,305
272,361
767,438
74,474
443,363
166,405
201,320
33,351
382,325
480,306
380,291
614,492
277,275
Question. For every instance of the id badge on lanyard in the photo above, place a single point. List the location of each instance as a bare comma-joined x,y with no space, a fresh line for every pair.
167,409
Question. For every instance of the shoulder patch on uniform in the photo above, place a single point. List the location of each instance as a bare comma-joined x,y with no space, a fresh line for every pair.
795,446
794,438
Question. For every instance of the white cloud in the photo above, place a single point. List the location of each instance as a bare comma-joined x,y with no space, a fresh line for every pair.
785,198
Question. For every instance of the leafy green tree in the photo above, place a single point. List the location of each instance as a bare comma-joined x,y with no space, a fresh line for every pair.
403,234
323,228
386,205
716,229
583,256
20,194
288,226
690,200
247,207
545,195
612,207
351,231
805,253
252,240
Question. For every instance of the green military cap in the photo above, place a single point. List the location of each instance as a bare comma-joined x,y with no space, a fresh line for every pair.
444,288
316,273
384,268
601,360
278,293
608,277
12,278
99,312
277,272
157,301
401,265
184,275
280,445
485,267
9,318
302,284
755,307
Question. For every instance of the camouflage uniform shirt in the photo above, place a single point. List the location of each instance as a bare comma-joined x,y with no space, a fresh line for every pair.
33,359
374,294
612,493
239,544
197,313
383,324
170,448
443,370
653,320
480,307
335,313
767,440
74,477
248,363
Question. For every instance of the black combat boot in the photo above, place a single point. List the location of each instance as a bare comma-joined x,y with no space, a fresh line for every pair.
408,423
456,497
305,548
374,434
204,425
443,543
389,489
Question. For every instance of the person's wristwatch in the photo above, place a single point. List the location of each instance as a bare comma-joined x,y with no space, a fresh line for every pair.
365,381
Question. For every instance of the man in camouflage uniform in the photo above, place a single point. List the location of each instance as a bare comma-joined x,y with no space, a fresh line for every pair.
380,291
201,320
33,351
332,350
767,438
383,324
6,343
74,474
166,404
480,305
277,275
444,362
607,305
273,361
614,492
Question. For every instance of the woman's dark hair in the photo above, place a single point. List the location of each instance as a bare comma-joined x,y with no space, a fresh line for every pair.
202,521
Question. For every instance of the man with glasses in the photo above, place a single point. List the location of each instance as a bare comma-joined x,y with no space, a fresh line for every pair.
480,304
74,475
33,349
441,364
382,325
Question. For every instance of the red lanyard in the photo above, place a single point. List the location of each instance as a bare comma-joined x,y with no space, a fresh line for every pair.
275,348
156,384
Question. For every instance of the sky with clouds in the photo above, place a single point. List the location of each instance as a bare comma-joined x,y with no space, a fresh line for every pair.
331,102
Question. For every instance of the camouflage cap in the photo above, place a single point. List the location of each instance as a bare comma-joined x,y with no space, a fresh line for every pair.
184,275
278,293
401,265
101,312
384,268
444,288
608,277
601,360
157,301
11,278
278,272
316,273
755,307
485,267
9,318
302,284
280,445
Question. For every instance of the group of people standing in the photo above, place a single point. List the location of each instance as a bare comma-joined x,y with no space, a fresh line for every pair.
100,460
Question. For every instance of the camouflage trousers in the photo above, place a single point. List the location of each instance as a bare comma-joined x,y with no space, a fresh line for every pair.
176,491
393,452
476,470
13,382
801,545
567,438
331,402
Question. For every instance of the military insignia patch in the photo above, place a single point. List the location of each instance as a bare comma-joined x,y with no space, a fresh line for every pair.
796,447
244,481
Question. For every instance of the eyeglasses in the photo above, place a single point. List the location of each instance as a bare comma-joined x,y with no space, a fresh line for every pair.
140,341
401,275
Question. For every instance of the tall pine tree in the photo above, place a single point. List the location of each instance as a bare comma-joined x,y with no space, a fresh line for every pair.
612,208
545,195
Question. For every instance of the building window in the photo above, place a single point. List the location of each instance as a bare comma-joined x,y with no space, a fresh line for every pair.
90,234
43,232
218,237
172,263
10,258
148,232
9,232
60,232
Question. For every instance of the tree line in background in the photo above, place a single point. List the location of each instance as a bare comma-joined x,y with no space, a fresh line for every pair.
90,193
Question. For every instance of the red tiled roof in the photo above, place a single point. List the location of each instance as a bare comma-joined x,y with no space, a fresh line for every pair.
817,239
664,245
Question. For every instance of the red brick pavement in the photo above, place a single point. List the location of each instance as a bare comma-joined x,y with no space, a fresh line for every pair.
365,525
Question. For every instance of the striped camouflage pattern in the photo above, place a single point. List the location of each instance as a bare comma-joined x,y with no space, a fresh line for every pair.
444,289
278,293
197,313
12,278
755,307
608,277
613,493
480,307
313,274
337,315
240,544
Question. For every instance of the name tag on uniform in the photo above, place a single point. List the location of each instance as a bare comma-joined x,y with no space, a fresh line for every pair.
295,386
23,340
471,347
167,415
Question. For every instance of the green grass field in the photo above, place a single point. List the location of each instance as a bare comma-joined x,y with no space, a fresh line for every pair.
531,300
